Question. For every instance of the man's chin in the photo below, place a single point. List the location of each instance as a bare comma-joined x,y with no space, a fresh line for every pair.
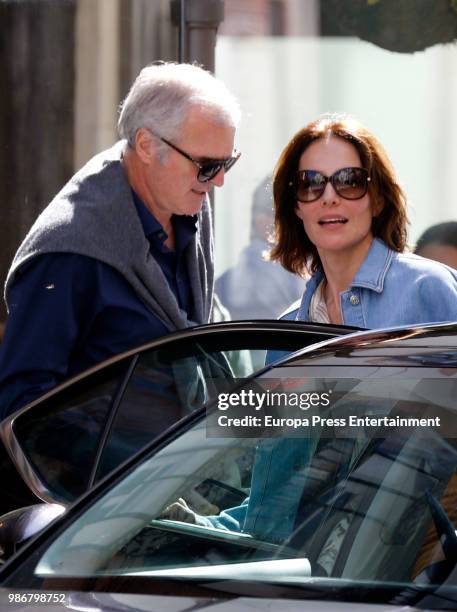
196,205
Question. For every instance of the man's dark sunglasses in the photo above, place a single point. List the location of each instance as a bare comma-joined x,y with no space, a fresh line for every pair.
207,170
349,183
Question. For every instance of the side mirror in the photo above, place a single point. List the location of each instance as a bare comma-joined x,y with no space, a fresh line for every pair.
20,525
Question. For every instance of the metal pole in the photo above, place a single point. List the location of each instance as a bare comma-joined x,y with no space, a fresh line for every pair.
198,21
182,31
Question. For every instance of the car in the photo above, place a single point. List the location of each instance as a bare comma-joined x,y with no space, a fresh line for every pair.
60,445
342,499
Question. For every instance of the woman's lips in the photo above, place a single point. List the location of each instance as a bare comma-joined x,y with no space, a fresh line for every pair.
333,221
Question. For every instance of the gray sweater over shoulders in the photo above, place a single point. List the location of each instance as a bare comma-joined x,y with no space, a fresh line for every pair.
94,215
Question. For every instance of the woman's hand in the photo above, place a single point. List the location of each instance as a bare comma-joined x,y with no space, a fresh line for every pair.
180,511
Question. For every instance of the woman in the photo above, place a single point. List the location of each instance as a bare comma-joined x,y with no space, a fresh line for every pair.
340,215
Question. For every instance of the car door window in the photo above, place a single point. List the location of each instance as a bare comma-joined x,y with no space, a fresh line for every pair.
81,432
372,505
171,381
59,437
167,384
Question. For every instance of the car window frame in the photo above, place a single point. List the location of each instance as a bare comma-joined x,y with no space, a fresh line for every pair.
15,451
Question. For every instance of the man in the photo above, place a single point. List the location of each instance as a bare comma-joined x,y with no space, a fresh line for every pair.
439,242
123,253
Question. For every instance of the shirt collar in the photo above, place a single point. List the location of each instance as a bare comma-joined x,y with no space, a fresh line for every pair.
185,225
148,221
373,270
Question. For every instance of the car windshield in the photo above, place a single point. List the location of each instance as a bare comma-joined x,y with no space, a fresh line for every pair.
319,506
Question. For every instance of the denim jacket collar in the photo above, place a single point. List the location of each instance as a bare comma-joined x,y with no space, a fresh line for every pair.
373,270
370,275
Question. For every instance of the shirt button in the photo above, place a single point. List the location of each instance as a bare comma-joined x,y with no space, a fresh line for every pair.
354,299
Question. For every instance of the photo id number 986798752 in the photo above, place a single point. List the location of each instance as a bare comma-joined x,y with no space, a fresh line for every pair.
38,598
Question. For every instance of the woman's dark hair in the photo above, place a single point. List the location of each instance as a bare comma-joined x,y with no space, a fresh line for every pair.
444,234
293,249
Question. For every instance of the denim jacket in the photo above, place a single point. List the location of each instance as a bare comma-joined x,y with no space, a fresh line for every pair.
277,483
389,289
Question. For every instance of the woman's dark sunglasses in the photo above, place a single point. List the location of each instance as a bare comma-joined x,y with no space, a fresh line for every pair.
207,170
349,183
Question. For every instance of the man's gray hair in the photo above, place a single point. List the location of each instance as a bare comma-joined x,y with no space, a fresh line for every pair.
162,95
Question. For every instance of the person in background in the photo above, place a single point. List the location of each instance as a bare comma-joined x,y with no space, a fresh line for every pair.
439,242
256,288
340,216
124,252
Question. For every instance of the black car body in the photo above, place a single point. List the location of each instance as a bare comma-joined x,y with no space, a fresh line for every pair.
376,517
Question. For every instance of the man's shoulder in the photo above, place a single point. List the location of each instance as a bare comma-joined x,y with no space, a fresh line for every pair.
101,177
102,160
92,215
99,183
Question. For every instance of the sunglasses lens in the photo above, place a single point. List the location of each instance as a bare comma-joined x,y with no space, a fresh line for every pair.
229,163
310,185
211,168
351,183
209,171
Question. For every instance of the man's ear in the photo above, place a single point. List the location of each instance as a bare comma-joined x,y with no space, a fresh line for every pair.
145,146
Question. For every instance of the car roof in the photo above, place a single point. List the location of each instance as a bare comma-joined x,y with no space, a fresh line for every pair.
417,340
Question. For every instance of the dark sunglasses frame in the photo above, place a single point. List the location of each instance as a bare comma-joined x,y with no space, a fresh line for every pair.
333,179
207,170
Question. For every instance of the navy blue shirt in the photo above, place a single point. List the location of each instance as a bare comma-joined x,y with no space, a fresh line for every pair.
69,312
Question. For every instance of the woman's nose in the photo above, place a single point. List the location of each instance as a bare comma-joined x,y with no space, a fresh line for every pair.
330,196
